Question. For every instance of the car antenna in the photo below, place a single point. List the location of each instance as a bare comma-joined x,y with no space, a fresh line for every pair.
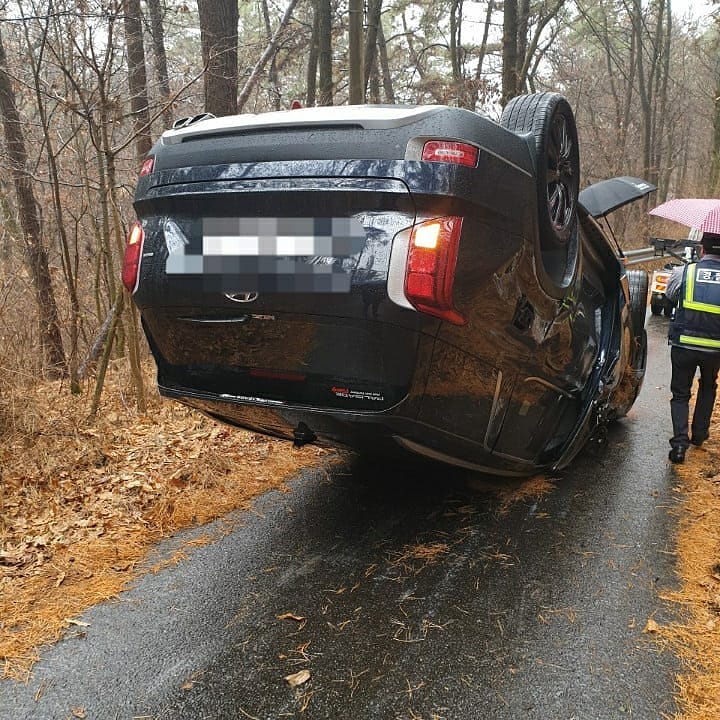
612,235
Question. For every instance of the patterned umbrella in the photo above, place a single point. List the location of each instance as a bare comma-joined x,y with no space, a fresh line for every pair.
700,213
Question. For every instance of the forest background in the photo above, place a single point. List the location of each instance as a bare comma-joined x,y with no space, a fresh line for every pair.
87,86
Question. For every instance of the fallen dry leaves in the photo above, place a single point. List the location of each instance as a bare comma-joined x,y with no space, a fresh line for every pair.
695,639
298,678
81,502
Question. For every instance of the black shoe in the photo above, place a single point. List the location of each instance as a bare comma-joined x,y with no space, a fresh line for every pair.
677,455
698,440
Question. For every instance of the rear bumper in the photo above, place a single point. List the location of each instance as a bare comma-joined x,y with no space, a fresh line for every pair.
376,432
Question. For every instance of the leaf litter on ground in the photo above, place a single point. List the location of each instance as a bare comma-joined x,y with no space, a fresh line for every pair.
695,636
82,502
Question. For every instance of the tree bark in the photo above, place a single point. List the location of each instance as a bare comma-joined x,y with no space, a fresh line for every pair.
158,44
137,78
415,62
312,66
714,181
522,44
219,38
325,53
270,50
36,52
510,53
385,65
528,55
106,347
455,63
355,52
101,338
484,42
663,132
650,49
50,336
272,74
371,42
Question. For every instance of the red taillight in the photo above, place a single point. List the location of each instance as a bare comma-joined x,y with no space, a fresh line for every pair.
147,166
430,271
133,252
450,152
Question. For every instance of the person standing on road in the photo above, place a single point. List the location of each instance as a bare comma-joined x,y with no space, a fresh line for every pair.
694,337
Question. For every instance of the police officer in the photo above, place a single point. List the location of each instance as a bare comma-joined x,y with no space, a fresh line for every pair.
695,339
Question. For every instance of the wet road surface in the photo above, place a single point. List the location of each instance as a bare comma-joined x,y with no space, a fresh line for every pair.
415,591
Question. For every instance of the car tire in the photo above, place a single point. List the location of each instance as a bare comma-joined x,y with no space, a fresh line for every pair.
549,124
656,308
633,381
638,289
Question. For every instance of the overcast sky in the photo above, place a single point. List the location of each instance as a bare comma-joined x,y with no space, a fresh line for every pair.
697,8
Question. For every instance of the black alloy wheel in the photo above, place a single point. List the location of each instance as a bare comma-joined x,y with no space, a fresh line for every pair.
548,123
562,177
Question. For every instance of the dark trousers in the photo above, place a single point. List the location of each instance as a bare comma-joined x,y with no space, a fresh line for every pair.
684,364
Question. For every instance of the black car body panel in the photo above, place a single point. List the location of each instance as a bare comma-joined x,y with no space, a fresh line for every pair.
321,342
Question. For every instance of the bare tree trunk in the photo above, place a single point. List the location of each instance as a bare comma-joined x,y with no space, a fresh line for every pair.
106,350
522,44
385,65
371,42
50,335
528,55
629,92
325,53
664,153
11,230
600,27
414,56
510,53
649,48
101,338
158,44
312,66
483,44
638,25
355,52
270,50
219,38
69,264
272,74
130,311
455,63
657,42
137,78
714,180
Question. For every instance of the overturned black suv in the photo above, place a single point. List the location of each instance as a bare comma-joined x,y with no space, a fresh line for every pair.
376,277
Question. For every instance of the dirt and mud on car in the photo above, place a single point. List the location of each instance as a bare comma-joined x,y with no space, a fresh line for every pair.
388,277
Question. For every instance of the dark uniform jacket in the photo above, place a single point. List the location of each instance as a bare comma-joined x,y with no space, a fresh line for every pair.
696,323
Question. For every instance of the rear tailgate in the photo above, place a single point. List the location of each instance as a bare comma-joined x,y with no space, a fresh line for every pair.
275,289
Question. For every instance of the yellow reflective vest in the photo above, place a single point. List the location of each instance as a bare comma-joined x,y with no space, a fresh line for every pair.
697,318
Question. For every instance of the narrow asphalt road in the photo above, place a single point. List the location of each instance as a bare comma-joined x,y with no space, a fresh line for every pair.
416,593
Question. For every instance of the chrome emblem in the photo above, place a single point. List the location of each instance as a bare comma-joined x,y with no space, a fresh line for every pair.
243,297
